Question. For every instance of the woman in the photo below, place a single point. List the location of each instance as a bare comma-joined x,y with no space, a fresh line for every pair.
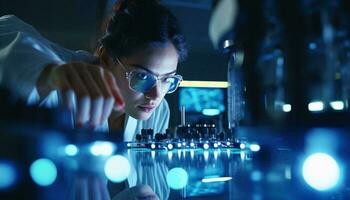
121,88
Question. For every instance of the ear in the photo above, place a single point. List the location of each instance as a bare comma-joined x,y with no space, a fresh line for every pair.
105,59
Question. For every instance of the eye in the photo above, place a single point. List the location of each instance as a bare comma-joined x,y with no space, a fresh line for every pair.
168,80
142,76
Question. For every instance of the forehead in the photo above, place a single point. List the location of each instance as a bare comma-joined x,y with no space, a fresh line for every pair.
158,58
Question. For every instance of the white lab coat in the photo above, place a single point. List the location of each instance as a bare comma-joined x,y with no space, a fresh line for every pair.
24,52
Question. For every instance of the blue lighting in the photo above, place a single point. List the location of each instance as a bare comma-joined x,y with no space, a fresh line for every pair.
337,105
153,146
321,171
312,45
216,145
256,176
254,147
210,112
43,172
71,150
178,145
177,178
192,144
8,175
316,106
170,146
117,168
102,148
215,179
206,146
242,146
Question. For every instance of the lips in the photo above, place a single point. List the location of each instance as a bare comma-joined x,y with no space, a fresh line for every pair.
146,107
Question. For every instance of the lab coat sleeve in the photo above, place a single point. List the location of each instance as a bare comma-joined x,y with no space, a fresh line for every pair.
23,55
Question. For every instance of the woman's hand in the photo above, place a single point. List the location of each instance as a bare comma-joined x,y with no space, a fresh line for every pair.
93,88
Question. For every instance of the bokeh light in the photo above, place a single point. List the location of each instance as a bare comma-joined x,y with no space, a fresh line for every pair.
117,168
43,172
8,175
321,171
177,178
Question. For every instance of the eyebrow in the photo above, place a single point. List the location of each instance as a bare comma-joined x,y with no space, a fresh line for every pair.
144,68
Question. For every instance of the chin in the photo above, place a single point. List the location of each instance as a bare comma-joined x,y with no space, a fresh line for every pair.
140,115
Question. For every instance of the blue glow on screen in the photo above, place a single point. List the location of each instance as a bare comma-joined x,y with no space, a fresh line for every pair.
197,99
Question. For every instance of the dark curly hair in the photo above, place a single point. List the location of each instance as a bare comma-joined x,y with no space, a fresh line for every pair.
136,24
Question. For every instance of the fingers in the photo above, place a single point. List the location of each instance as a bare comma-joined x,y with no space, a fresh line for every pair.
90,89
82,95
119,102
106,93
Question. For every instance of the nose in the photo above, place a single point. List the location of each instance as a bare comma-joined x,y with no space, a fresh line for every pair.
154,93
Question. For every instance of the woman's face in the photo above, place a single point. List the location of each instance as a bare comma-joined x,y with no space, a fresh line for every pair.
157,59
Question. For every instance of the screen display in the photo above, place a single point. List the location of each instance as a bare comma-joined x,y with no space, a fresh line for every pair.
198,99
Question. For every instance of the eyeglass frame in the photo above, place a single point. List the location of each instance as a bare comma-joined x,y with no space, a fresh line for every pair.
158,77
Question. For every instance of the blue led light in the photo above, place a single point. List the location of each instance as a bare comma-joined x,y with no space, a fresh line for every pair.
254,147
71,150
216,179
117,168
177,178
210,112
192,144
206,146
102,148
8,175
170,146
153,146
178,145
43,172
242,146
216,145
321,171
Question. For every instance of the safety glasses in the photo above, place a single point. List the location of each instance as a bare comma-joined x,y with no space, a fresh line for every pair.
142,81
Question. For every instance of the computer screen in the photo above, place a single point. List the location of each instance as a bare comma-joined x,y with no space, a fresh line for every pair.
197,99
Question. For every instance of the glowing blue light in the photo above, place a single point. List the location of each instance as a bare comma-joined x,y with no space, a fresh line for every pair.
242,146
71,150
177,178
206,146
216,145
117,168
43,172
321,171
312,45
8,175
210,112
170,146
179,145
256,176
287,108
192,144
337,105
316,106
216,179
153,146
254,147
228,143
184,144
102,148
